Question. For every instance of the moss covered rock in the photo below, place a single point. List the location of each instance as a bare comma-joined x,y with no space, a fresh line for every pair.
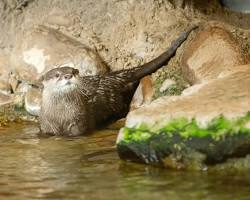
205,126
184,144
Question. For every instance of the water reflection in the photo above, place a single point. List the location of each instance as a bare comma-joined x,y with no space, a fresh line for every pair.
89,168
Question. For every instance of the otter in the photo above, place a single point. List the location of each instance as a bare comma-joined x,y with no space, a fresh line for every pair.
74,105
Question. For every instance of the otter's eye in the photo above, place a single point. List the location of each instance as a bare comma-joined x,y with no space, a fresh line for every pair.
57,75
75,71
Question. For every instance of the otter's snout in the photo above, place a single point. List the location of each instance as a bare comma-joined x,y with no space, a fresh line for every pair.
68,76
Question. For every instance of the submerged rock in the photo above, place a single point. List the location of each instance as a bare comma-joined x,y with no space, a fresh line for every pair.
206,125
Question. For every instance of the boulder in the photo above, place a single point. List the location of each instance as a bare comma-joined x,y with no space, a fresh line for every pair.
207,125
212,51
43,48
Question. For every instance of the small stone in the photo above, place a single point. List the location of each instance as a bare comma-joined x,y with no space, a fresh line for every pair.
18,100
32,100
13,81
22,88
167,84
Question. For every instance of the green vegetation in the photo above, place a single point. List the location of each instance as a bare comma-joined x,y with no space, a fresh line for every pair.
175,74
217,129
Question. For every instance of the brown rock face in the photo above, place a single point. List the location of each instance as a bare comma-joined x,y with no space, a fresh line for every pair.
5,86
211,52
4,66
5,99
43,48
228,95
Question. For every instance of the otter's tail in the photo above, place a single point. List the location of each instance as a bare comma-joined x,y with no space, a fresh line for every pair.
158,62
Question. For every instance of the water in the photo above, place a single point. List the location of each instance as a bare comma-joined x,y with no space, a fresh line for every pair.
237,5
89,168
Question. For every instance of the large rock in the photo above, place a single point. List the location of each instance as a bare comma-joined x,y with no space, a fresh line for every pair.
43,48
211,52
208,124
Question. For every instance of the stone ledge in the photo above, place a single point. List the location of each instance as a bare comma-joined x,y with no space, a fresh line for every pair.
207,125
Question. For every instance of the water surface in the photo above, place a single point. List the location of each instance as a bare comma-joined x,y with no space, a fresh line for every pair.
32,167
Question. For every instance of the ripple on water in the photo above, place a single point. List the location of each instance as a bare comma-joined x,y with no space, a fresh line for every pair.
89,168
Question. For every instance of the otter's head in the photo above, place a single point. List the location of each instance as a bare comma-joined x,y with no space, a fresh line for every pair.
62,80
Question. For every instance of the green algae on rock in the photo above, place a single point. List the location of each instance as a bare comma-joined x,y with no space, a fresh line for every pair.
217,128
182,143
208,124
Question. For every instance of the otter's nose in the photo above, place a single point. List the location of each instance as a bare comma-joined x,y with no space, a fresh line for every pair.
68,76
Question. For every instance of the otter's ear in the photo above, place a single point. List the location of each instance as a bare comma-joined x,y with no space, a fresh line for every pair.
41,79
75,71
